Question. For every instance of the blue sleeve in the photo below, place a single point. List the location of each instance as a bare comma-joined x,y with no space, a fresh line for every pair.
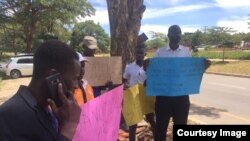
97,91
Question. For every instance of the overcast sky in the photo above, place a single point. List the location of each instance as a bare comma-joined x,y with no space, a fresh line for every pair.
189,14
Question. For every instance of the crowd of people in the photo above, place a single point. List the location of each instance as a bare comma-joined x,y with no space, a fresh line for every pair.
32,115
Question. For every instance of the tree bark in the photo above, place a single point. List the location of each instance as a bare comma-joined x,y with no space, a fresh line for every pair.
14,40
29,25
125,22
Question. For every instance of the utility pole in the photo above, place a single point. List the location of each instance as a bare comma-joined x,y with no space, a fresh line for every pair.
205,29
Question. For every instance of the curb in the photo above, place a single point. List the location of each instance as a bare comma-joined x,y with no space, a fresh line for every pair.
229,74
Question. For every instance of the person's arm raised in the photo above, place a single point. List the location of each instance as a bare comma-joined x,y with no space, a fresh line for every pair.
207,64
145,64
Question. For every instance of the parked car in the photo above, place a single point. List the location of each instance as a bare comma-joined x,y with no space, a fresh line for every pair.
18,66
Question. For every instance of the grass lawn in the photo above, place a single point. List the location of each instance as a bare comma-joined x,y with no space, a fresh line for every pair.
235,67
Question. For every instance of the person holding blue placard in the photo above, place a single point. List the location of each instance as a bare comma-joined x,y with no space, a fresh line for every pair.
176,107
135,74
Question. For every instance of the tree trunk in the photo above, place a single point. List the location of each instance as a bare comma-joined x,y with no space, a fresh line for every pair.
14,40
29,44
223,54
125,22
30,26
29,33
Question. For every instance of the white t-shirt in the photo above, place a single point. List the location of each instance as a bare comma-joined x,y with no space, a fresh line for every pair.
134,74
168,52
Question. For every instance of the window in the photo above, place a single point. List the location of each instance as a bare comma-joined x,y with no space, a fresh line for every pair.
25,61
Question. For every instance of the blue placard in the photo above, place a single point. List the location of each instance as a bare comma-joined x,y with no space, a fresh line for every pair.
174,76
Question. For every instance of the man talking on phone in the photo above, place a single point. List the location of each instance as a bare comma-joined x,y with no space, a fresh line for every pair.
31,114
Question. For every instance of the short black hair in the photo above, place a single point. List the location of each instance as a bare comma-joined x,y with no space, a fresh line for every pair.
52,54
173,28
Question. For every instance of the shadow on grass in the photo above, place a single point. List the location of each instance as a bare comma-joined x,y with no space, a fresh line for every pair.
220,63
205,111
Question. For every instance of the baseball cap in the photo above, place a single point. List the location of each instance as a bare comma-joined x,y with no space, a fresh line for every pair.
142,38
90,42
81,58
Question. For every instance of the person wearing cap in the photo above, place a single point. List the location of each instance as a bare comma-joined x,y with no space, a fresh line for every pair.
89,46
84,92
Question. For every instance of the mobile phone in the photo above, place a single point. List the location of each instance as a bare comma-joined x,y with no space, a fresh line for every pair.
52,83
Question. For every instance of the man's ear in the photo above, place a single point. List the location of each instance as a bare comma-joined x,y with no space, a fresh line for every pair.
145,54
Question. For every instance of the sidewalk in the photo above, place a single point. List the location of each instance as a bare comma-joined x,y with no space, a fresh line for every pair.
229,74
229,60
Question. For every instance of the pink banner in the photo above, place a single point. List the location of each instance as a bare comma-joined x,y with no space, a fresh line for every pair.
100,117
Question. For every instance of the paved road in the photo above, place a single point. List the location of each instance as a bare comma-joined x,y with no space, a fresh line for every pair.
222,100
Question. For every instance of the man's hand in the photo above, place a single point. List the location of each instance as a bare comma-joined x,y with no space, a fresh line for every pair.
145,64
109,85
68,114
207,64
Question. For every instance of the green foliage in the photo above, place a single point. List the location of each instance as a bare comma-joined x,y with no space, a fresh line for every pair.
4,57
155,43
10,41
214,36
218,35
30,19
187,39
197,38
228,44
246,37
159,35
192,39
49,36
91,29
158,40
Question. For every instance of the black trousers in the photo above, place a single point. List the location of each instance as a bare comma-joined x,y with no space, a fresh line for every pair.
167,107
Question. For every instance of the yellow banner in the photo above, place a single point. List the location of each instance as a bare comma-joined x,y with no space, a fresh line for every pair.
147,102
136,104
